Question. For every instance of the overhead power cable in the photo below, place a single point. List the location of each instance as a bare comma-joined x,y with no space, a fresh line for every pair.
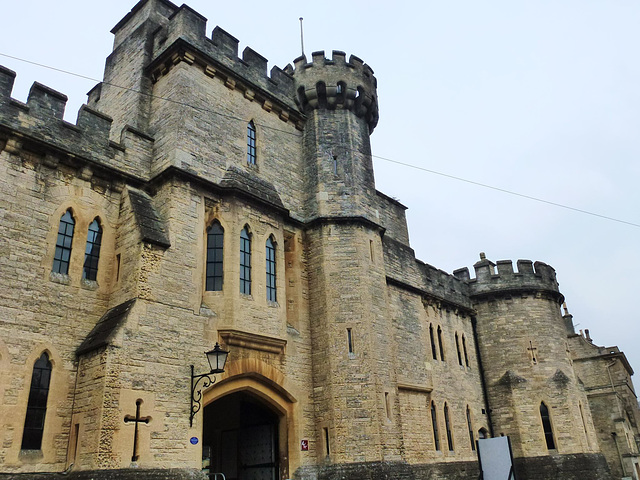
397,162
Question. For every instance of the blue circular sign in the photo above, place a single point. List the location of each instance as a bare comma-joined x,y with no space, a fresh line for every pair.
194,440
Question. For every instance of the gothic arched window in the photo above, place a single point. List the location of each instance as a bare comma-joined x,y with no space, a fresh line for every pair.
458,349
37,404
433,342
434,425
271,270
464,349
92,251
251,143
440,344
62,254
546,426
215,249
470,426
447,424
245,262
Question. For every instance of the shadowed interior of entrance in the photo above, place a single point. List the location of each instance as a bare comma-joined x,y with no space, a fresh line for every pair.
240,438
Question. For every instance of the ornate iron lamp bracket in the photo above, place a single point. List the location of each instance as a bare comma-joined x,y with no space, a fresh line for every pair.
205,380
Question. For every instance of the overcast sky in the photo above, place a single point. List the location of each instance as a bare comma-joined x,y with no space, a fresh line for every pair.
541,98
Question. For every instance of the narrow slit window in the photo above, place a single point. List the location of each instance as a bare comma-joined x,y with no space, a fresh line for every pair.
546,426
440,344
92,251
117,267
387,405
251,143
215,251
326,441
335,165
62,255
271,270
434,426
433,342
37,404
350,341
464,349
470,427
458,349
447,424
245,262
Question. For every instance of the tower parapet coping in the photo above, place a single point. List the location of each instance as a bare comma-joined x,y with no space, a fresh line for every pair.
529,276
335,84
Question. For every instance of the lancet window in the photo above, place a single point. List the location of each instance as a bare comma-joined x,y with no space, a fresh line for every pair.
251,143
92,251
37,404
215,250
434,425
271,270
62,255
245,262
447,424
546,426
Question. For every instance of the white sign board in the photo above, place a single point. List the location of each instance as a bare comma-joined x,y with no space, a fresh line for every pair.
495,459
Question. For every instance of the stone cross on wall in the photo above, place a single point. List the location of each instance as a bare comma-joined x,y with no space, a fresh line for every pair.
532,352
137,419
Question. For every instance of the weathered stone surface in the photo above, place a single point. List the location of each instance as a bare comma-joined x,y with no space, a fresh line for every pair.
372,363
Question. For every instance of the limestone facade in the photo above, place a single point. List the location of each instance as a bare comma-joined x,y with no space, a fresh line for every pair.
349,358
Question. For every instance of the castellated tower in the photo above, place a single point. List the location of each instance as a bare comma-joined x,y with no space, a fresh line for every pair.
340,101
534,395
202,200
353,376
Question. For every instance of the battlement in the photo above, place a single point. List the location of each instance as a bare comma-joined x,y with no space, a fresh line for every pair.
336,84
40,121
179,34
529,276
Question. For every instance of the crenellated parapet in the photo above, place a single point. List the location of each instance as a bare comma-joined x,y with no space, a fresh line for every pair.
432,284
180,36
38,126
336,84
529,277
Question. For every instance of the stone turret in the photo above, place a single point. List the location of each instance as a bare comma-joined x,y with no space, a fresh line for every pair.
522,339
340,100
352,374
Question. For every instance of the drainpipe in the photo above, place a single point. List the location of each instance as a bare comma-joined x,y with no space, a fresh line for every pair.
474,323
615,440
613,387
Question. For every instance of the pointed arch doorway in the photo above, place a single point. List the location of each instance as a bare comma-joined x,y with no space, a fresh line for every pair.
244,437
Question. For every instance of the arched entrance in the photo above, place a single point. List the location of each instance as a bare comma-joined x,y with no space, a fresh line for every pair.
242,437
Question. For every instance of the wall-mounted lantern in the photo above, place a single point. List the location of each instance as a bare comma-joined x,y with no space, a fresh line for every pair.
217,359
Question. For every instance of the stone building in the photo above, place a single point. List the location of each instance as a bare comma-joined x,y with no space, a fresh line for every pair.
199,200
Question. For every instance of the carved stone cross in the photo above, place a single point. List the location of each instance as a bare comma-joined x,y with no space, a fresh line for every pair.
137,419
532,351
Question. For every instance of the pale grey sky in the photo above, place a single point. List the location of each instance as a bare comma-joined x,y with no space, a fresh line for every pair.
539,97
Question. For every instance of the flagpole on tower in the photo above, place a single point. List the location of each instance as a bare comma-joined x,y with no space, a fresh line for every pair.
301,37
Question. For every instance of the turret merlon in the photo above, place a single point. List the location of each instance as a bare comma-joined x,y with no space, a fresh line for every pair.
7,77
45,101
